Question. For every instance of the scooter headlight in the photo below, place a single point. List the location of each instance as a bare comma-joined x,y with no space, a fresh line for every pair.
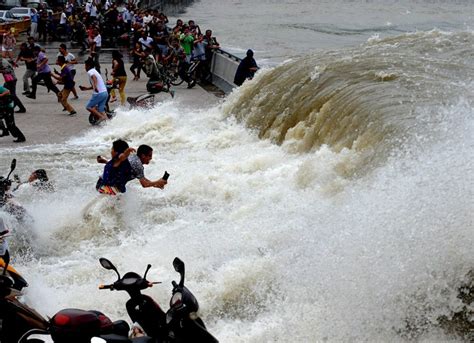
176,299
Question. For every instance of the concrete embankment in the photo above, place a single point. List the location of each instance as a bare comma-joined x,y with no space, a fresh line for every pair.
45,122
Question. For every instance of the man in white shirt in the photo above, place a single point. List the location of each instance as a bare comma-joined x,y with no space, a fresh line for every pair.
88,7
95,49
145,41
63,22
147,18
96,105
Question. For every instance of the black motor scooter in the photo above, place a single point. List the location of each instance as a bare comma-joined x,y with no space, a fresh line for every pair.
180,324
21,323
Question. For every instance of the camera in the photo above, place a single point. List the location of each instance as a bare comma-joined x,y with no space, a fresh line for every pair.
165,176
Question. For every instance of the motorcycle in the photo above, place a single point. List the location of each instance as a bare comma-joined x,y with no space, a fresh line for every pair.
20,323
180,323
6,199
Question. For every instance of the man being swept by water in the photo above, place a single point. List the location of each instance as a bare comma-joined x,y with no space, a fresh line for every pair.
129,169
117,170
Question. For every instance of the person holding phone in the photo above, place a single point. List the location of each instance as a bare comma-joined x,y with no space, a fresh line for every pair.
144,156
137,171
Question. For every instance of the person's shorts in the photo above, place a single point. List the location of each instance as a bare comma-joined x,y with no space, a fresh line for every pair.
6,49
109,190
98,100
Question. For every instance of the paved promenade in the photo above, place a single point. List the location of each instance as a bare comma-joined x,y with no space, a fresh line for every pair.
45,122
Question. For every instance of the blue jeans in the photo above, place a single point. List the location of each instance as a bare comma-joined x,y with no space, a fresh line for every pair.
98,100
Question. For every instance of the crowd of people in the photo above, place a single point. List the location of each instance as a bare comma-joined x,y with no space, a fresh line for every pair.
152,42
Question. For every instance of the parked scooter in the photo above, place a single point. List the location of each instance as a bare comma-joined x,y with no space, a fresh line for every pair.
6,199
180,324
20,323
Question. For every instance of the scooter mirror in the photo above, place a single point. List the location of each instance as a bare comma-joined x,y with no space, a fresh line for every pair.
178,265
12,168
13,165
107,264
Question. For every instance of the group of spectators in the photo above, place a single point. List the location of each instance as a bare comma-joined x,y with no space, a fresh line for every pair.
153,45
103,22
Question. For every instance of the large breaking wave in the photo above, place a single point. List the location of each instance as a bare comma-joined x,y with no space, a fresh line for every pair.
355,225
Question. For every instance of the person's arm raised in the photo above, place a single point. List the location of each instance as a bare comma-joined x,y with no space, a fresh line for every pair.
123,156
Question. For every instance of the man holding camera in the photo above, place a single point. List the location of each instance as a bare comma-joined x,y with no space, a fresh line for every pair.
143,156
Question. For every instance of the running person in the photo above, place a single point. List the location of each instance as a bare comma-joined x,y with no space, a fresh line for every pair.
96,105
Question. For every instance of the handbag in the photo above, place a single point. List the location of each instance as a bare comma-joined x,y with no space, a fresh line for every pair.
8,77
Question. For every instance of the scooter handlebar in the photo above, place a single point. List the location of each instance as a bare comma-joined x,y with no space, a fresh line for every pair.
111,287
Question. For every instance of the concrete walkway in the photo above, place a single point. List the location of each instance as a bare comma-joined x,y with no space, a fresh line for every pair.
45,122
